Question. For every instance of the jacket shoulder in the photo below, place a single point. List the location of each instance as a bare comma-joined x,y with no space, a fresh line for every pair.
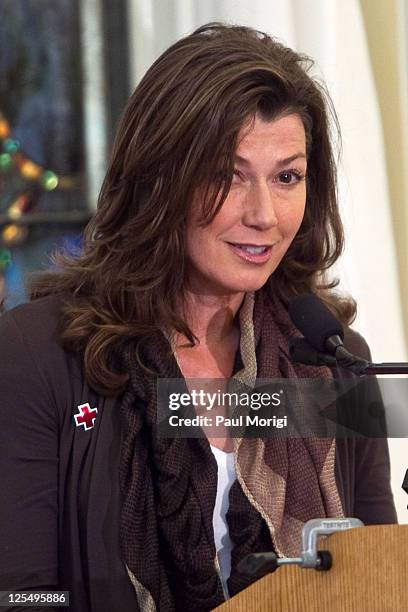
356,344
37,322
30,339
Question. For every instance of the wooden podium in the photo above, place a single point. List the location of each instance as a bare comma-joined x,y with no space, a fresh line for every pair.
369,574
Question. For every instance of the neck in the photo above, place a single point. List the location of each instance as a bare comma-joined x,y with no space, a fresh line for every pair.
211,318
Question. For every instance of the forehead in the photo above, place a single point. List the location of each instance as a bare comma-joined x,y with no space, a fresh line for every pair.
282,133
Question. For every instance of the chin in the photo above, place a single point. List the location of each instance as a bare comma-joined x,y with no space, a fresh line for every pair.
248,286
229,282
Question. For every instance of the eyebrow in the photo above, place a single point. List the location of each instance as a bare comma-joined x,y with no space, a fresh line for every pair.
281,162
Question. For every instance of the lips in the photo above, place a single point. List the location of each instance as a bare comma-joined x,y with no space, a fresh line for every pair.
254,253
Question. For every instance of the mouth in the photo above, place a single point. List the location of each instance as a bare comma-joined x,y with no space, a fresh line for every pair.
254,253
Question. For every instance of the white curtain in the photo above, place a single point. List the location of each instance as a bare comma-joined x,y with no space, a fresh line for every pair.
332,32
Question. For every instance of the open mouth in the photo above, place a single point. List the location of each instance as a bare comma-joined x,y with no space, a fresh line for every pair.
251,252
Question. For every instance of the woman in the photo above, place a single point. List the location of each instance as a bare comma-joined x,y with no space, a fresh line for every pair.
218,207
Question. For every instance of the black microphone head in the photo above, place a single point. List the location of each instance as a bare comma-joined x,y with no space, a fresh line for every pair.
314,320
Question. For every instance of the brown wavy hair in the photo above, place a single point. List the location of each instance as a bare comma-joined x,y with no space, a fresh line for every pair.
178,133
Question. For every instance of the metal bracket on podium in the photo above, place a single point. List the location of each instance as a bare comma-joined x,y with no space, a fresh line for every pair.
259,564
321,527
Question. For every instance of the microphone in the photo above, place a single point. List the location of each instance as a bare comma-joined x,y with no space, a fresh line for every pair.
323,332
318,325
323,338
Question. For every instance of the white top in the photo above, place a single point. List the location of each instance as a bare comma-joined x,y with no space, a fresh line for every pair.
223,544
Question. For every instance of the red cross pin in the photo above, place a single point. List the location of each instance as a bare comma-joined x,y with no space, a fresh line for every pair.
86,416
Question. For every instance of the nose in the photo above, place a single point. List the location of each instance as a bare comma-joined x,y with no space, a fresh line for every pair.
260,207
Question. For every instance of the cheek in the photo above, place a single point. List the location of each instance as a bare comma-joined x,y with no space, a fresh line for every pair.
197,244
192,239
292,221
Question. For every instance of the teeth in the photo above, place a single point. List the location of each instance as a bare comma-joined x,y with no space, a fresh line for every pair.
253,250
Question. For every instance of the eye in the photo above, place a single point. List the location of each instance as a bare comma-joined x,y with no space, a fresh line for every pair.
291,177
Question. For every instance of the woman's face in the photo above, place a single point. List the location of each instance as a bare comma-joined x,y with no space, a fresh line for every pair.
247,239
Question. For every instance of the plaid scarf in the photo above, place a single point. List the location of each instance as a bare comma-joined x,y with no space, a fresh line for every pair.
168,486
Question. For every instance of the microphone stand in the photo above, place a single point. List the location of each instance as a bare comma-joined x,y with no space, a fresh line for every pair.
302,351
361,367
387,368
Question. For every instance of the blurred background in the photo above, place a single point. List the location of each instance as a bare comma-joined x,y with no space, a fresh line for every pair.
67,68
